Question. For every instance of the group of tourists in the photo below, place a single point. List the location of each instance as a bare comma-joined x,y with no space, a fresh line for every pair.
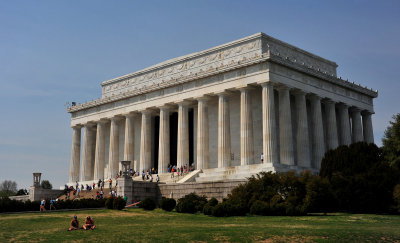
179,170
42,207
149,176
89,224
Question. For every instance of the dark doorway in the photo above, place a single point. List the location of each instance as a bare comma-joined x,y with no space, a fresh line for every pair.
173,137
156,139
191,137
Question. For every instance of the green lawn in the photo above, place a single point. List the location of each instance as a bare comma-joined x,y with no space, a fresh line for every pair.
159,226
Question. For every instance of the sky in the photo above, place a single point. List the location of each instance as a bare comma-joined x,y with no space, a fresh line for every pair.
53,52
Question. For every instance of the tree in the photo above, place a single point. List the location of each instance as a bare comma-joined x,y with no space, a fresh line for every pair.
391,142
362,181
22,192
8,188
46,184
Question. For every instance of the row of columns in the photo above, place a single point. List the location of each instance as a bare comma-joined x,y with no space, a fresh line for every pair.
278,144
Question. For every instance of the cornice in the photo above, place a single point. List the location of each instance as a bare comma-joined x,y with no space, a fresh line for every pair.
272,57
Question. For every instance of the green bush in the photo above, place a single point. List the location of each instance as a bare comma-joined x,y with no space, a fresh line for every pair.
147,204
119,203
208,207
362,181
110,203
8,205
259,208
191,203
167,204
396,197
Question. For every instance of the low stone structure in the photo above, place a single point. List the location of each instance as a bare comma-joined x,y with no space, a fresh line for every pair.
37,193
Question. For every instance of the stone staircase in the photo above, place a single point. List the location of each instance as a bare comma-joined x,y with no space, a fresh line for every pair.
84,194
233,172
164,178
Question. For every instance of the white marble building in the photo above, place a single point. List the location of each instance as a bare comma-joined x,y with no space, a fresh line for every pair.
220,109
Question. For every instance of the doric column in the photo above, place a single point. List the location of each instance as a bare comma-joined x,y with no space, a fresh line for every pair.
99,157
302,135
163,144
357,135
87,172
203,155
113,152
246,129
285,127
224,132
145,141
75,154
344,125
331,126
367,127
129,143
318,144
270,148
183,134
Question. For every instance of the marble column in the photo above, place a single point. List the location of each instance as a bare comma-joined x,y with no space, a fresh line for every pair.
75,154
224,132
129,143
163,144
332,139
367,127
87,172
285,127
113,152
270,145
145,142
99,159
183,134
302,134
246,128
344,125
357,135
318,145
203,155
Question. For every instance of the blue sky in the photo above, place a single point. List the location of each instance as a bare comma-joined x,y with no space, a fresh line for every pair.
52,52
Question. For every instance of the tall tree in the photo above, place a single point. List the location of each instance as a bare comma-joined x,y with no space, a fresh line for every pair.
8,188
46,184
391,142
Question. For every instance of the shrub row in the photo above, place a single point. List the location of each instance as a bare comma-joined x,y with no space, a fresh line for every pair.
8,205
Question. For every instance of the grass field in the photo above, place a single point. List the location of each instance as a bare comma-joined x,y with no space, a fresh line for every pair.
136,225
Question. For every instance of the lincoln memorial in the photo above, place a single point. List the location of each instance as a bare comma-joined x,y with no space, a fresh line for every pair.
221,110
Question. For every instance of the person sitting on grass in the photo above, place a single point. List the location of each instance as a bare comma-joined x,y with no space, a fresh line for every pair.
89,224
74,224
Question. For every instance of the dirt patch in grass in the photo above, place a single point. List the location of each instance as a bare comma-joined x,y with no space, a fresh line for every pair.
291,239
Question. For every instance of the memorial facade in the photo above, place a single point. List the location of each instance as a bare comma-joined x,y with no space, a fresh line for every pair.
225,107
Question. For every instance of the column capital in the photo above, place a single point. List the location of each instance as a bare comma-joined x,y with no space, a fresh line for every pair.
77,126
202,98
146,112
329,101
165,107
224,93
130,115
343,105
183,102
300,92
314,97
282,87
115,118
265,84
367,112
102,121
355,109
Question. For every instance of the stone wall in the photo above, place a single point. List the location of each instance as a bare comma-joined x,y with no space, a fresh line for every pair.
219,189
37,193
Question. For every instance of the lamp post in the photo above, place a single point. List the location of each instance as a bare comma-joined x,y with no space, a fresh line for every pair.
125,168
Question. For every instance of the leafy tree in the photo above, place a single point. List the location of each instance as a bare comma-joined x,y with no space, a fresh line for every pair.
391,142
46,184
22,192
8,188
361,180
